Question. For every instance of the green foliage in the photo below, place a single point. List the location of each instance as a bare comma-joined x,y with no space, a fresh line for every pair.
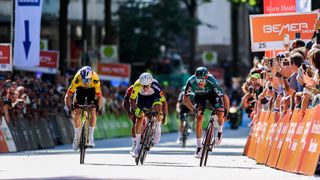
249,2
144,27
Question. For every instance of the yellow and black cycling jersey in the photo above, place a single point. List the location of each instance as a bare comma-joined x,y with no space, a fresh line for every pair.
146,99
155,91
93,84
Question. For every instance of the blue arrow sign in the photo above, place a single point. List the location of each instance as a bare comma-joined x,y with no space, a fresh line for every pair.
26,43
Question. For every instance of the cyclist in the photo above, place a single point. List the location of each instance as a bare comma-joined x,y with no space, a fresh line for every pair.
85,83
182,110
205,87
147,94
126,106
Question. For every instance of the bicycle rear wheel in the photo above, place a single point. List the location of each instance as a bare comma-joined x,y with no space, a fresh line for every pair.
206,146
82,144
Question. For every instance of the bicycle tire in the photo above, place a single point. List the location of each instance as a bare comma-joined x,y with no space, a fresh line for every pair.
143,144
184,136
206,145
82,144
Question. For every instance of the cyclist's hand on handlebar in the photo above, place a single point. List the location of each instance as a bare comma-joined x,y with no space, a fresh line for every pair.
137,112
164,119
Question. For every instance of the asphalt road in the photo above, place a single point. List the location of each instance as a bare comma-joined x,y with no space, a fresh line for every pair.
110,159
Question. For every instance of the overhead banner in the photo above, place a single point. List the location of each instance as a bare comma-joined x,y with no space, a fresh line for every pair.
27,33
49,62
5,57
109,71
267,31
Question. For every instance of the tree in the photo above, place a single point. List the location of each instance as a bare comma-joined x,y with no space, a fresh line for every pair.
63,36
145,26
192,6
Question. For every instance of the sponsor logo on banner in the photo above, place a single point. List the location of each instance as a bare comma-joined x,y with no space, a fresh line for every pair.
109,53
267,31
109,71
5,57
49,61
279,6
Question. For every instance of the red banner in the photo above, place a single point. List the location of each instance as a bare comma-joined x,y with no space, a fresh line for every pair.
279,6
109,71
5,57
49,61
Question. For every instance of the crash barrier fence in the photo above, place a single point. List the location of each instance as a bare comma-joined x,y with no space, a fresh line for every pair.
291,143
22,134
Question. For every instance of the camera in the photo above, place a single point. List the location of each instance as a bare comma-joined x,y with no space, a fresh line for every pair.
308,70
286,62
250,89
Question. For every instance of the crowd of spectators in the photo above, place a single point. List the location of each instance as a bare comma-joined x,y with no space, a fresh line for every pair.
286,81
26,95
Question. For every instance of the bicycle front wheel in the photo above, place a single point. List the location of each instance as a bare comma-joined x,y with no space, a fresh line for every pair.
206,145
82,144
144,144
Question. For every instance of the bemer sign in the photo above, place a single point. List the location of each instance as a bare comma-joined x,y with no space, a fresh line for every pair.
267,31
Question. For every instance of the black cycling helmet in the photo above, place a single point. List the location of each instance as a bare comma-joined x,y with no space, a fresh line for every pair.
201,72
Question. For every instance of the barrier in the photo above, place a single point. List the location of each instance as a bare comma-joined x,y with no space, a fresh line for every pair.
264,148
297,145
258,128
8,136
296,117
276,144
311,151
291,144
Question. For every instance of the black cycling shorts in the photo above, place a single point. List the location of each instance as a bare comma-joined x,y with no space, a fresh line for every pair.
215,101
82,93
183,112
146,102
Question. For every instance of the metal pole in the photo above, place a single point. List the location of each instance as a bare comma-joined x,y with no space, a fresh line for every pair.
12,31
84,31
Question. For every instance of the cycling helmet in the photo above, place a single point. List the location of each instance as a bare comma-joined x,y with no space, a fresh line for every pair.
201,72
86,74
145,78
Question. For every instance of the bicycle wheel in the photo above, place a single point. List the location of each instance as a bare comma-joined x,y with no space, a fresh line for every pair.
206,145
142,152
82,144
145,145
184,134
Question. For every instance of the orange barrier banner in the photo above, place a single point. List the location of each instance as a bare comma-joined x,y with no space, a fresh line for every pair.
311,151
297,146
296,117
246,147
255,139
3,143
264,148
279,137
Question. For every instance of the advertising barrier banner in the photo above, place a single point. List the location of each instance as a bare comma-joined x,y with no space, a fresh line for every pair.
5,57
109,71
49,61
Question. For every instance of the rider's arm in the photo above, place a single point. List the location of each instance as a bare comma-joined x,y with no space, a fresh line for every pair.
134,95
186,98
126,101
97,87
74,84
226,103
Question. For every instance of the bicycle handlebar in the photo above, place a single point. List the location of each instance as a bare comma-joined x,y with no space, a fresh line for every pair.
83,107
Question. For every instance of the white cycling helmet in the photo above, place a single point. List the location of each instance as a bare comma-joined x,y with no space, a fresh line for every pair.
86,74
145,79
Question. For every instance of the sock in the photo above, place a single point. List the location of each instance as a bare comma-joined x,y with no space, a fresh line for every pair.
76,133
157,136
91,132
138,138
199,144
220,128
133,140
